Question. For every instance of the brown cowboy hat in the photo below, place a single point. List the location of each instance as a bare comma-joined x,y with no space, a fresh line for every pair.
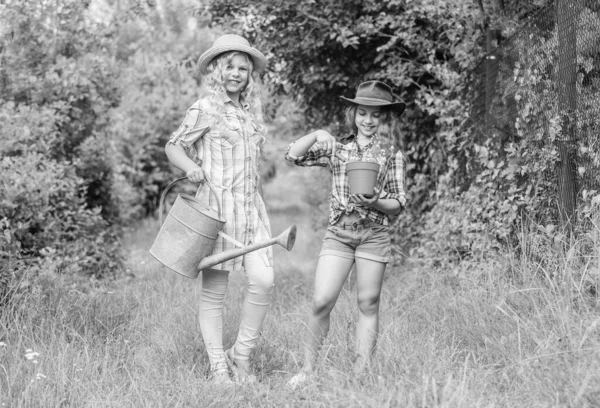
231,42
376,93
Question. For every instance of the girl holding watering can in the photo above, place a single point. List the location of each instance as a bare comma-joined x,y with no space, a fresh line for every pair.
220,142
358,230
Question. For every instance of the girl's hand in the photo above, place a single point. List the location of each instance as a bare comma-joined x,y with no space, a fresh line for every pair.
196,175
327,141
366,201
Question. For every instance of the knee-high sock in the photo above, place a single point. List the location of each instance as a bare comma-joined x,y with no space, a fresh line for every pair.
258,298
212,297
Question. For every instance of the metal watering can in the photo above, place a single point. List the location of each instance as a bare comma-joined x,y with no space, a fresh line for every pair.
188,235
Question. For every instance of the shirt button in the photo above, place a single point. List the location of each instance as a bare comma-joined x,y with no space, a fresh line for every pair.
248,177
248,158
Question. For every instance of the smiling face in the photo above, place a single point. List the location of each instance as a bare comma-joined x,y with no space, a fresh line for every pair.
366,120
235,75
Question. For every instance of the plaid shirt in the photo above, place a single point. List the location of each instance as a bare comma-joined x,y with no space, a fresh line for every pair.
390,179
227,145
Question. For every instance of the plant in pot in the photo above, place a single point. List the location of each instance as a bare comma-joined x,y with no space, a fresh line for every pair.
362,168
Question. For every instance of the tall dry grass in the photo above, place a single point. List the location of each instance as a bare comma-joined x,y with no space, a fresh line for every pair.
522,331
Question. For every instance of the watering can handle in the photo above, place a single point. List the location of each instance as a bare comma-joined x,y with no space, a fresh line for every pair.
161,203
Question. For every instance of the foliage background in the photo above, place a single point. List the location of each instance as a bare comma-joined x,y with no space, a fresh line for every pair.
470,185
92,90
486,306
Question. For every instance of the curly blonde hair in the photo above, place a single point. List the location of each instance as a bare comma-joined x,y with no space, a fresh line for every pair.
213,85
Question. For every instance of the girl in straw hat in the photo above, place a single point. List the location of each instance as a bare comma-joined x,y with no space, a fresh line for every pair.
358,230
220,141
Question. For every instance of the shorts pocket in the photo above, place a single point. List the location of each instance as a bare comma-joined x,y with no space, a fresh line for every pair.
334,230
340,234
380,229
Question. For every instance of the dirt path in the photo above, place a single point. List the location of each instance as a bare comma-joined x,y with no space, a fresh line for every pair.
285,197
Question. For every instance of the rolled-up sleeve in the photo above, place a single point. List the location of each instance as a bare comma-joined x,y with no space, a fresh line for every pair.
195,125
316,156
394,185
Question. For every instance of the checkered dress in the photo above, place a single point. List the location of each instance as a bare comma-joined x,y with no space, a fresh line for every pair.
227,145
390,179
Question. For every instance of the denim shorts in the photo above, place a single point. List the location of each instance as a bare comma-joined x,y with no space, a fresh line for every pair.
351,237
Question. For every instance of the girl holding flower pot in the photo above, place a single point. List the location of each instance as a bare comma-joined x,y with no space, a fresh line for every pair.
358,230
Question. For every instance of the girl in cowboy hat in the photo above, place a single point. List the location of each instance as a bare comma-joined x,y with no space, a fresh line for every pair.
220,142
358,230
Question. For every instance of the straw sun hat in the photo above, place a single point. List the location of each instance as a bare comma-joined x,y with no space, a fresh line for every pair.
231,42
376,93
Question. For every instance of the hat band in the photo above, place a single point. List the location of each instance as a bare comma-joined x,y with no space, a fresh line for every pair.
373,99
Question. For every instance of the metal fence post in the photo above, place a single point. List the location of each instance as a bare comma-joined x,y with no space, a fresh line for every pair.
566,19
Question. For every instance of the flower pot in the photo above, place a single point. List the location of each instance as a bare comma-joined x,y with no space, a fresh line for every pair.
362,177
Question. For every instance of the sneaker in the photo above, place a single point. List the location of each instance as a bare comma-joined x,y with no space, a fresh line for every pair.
240,374
219,374
298,380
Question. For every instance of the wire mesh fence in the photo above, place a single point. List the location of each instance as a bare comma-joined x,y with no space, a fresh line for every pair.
542,85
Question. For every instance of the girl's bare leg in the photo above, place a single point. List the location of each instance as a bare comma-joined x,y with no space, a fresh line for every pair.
369,280
330,276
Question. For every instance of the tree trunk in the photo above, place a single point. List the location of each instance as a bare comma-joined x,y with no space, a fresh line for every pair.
491,63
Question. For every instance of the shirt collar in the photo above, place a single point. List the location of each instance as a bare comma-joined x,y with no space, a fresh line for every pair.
352,137
348,139
226,99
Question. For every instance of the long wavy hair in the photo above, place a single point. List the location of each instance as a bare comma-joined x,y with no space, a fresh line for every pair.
388,129
213,86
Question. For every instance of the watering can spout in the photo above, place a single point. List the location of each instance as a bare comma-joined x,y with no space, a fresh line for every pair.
188,235
286,239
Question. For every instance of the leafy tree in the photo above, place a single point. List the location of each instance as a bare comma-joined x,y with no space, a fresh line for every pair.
89,93
158,81
470,182
57,59
58,84
320,50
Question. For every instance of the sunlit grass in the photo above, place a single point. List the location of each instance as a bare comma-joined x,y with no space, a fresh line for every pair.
522,331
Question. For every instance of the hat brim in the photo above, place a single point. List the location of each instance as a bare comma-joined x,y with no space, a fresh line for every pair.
398,106
258,58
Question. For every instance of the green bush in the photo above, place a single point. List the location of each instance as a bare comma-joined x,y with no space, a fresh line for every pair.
58,86
88,97
471,180
45,216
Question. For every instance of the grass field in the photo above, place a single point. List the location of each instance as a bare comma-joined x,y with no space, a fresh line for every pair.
502,334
